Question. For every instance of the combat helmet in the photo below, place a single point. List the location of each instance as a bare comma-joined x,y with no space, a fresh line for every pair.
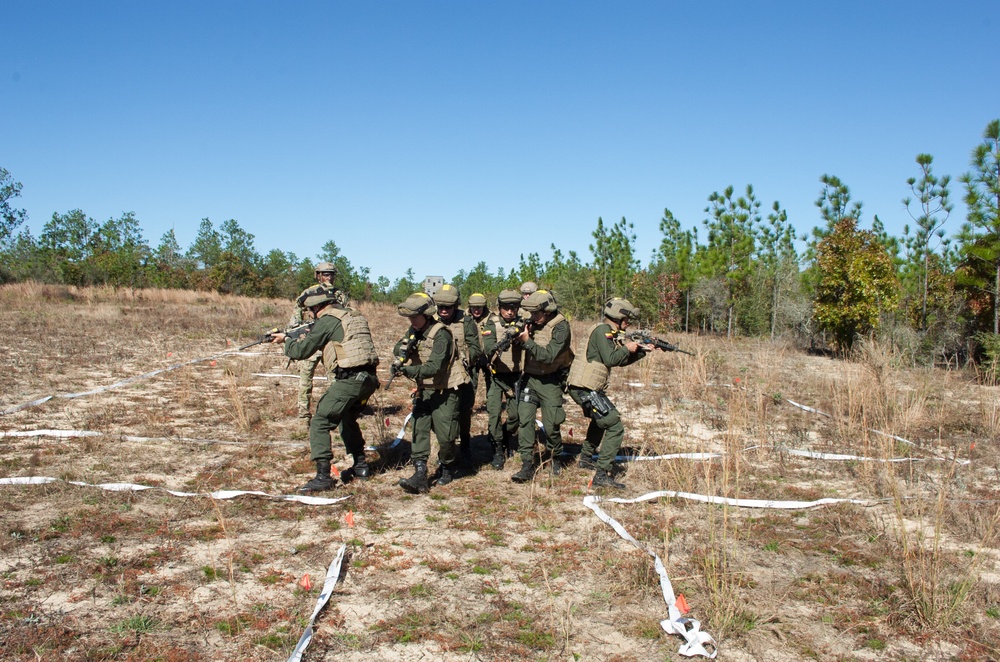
446,296
509,298
324,267
540,300
477,299
418,303
319,298
528,287
619,309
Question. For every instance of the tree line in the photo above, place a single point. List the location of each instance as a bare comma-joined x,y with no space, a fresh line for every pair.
738,273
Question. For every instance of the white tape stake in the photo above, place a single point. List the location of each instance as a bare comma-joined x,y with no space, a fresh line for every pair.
332,574
132,487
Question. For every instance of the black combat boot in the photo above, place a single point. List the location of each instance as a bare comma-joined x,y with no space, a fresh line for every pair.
322,481
526,473
499,456
447,473
417,483
604,479
360,469
587,462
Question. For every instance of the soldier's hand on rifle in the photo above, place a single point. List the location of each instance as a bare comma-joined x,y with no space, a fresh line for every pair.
633,346
524,335
277,338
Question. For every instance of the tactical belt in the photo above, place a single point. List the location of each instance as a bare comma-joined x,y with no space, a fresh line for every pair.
344,373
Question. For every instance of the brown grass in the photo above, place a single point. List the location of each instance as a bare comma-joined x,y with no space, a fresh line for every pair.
483,568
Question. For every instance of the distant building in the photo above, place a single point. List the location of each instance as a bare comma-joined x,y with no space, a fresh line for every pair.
432,284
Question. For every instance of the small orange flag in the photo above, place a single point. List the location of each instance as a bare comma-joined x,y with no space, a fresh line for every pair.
682,604
305,582
590,484
335,472
387,421
571,432
349,517
211,363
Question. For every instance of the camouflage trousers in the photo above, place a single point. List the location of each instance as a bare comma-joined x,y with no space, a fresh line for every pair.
307,369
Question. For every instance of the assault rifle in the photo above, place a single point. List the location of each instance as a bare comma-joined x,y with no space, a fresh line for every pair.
510,332
646,338
396,368
294,333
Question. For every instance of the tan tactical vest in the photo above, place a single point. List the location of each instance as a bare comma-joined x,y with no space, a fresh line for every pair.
356,349
543,336
425,347
510,360
588,374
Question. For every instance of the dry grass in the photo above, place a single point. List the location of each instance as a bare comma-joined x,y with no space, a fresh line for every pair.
481,569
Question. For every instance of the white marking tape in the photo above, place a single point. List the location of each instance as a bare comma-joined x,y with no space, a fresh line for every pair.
131,487
118,384
689,629
273,374
399,437
675,623
69,434
879,432
835,457
332,574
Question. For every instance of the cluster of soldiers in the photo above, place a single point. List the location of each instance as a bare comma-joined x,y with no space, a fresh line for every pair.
523,352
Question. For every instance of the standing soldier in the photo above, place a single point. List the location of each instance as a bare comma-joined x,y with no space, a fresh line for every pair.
325,273
603,348
547,356
342,338
503,369
527,289
426,354
465,334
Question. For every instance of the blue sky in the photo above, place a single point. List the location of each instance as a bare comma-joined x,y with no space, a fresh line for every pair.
434,135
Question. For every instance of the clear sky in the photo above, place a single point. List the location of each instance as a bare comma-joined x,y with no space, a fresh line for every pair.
434,135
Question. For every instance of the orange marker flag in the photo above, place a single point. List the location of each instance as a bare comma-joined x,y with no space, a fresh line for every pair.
305,582
211,363
349,518
682,604
571,432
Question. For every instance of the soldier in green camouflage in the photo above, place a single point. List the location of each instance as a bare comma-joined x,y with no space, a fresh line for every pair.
604,347
342,339
465,333
547,356
502,371
427,353
325,273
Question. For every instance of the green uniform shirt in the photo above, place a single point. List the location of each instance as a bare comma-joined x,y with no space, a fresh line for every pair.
601,348
440,353
327,328
558,344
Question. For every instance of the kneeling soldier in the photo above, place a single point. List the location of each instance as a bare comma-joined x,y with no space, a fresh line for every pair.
603,348
430,350
349,356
